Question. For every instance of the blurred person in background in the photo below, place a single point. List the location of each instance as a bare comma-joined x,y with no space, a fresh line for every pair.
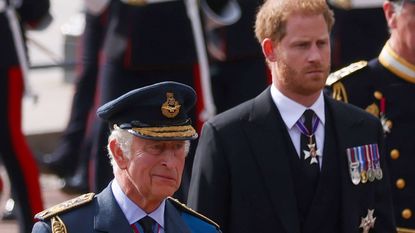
145,43
15,17
385,87
71,157
237,68
122,38
359,32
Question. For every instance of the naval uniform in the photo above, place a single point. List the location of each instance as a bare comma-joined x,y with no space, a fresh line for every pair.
385,87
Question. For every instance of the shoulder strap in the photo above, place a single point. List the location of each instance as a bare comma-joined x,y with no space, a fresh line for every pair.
343,72
190,211
65,206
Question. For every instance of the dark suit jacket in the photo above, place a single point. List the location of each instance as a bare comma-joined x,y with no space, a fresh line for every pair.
241,173
104,215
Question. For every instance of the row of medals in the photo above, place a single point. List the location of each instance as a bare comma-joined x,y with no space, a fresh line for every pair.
363,176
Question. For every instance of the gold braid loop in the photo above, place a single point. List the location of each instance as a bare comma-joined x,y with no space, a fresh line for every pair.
57,225
339,92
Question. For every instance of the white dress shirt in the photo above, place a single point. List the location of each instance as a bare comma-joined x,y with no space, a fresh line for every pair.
292,111
132,212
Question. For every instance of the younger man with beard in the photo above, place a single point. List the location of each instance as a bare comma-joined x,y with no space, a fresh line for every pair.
291,159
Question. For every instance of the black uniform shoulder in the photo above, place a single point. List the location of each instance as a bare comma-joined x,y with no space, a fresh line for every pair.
346,72
338,83
65,206
352,110
184,208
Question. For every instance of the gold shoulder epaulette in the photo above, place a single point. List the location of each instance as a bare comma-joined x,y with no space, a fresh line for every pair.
343,72
65,206
192,212
343,4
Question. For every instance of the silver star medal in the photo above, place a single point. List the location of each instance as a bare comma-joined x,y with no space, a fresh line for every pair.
313,153
368,222
385,124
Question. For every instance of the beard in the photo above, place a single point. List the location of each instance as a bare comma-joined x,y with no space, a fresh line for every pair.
302,82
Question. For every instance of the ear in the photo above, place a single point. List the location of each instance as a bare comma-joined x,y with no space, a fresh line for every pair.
390,14
118,155
268,49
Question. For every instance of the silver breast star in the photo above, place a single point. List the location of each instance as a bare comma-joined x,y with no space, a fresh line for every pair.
368,222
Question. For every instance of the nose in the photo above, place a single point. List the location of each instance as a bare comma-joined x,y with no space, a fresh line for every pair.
168,158
315,54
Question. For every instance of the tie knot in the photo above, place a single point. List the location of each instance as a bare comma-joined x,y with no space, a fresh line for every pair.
147,224
308,118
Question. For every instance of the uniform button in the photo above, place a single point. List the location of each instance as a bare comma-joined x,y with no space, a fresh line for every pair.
394,154
378,95
406,214
400,183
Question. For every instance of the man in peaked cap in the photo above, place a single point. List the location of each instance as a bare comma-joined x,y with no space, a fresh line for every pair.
385,87
150,133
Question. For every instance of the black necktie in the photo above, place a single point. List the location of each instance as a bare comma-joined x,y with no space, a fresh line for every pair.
311,170
307,175
147,224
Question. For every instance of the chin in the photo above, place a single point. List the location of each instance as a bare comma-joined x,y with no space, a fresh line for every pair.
165,190
312,87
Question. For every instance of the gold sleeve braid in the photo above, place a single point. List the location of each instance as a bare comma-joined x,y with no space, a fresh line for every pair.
405,230
136,2
57,225
339,92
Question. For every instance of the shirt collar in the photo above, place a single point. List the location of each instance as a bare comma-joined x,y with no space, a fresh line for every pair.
132,212
291,111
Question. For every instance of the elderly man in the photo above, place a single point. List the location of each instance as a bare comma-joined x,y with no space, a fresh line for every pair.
285,161
147,146
385,87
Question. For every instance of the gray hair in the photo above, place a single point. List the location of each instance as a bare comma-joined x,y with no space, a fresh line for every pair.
124,140
397,6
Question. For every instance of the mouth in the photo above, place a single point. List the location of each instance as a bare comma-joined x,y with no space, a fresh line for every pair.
314,72
164,177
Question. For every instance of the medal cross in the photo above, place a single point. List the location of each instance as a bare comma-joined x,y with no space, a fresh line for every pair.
313,152
368,222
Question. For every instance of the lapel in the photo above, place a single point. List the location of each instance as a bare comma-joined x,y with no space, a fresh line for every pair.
174,222
269,139
109,216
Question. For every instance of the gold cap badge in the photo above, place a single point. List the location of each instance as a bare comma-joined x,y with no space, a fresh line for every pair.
171,107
